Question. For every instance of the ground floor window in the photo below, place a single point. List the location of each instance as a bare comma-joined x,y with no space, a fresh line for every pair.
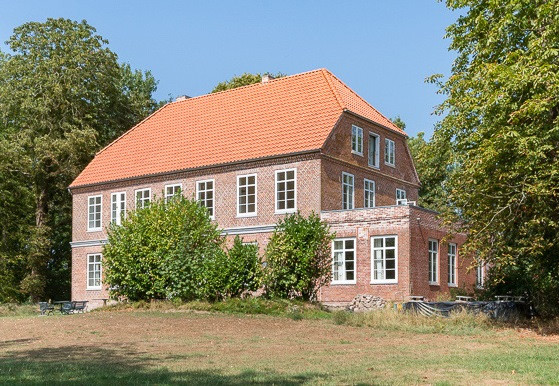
433,262
451,264
384,259
94,271
343,261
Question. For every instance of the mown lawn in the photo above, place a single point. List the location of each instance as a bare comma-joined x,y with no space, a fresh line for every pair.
197,347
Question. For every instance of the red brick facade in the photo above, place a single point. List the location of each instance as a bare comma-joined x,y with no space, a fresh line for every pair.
319,189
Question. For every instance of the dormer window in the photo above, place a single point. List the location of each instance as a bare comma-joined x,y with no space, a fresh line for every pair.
356,140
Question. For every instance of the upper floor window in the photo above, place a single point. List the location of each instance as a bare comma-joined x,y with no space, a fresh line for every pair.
94,205
369,189
143,198
246,195
384,258
389,152
347,190
401,198
433,262
205,195
343,261
94,271
374,150
452,264
480,275
172,190
356,140
286,191
118,207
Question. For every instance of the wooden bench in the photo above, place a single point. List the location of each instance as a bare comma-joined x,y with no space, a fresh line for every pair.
79,306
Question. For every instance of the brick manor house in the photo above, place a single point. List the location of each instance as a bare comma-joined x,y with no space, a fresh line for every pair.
253,154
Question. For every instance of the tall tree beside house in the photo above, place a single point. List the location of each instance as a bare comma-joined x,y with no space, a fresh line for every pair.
64,96
501,119
243,80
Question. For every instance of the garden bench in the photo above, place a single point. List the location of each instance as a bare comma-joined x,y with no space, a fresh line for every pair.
79,306
46,308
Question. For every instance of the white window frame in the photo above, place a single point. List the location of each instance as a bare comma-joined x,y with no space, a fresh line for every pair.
143,199
344,250
344,206
120,209
205,190
480,276
401,197
365,190
89,206
357,140
248,214
94,263
389,152
287,210
384,248
376,161
433,270
452,268
169,196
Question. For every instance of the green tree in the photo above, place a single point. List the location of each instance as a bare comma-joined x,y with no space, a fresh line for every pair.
64,96
399,122
243,80
502,123
298,257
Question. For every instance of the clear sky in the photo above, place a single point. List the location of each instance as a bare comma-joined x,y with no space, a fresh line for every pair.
382,49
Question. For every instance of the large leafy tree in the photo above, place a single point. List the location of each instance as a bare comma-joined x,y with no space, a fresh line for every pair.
502,123
63,96
243,80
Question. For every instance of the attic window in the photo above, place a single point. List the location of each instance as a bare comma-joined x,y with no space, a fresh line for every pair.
356,140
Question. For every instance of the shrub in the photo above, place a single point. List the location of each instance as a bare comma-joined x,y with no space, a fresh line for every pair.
298,257
233,273
160,251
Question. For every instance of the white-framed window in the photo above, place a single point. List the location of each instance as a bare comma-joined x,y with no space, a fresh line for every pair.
356,140
369,189
206,196
143,197
94,210
389,152
452,268
94,271
343,261
172,191
118,207
246,195
374,150
401,197
384,259
480,275
433,262
348,184
286,191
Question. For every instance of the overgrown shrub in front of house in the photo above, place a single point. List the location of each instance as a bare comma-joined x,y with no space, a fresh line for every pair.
232,273
160,252
298,257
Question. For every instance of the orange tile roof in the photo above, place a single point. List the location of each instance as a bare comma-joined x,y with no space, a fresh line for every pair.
286,115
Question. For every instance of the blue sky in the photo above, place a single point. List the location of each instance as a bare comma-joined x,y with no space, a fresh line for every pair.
381,49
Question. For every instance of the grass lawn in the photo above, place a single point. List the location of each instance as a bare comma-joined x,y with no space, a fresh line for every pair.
197,347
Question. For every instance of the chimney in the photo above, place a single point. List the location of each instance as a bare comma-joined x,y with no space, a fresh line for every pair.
182,98
266,78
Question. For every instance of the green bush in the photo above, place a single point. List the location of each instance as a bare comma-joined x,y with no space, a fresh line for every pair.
160,252
298,257
233,273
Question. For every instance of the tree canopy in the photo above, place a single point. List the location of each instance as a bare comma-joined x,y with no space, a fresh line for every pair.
243,80
501,122
64,96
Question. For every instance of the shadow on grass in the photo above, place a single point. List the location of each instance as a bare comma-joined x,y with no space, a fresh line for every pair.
93,365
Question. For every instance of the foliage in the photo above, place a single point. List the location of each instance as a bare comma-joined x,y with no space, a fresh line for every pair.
502,122
160,252
399,122
243,80
64,96
433,165
232,273
298,257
